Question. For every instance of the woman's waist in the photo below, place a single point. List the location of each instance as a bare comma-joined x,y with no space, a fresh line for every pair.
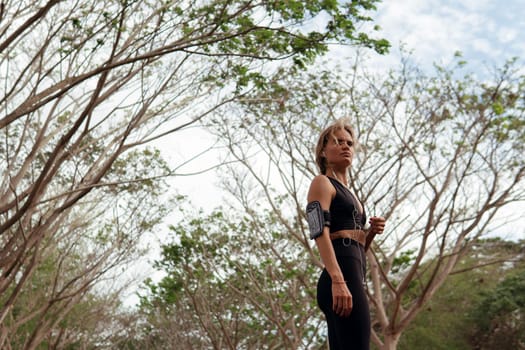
347,235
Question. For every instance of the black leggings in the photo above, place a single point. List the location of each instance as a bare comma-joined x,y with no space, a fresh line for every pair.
353,332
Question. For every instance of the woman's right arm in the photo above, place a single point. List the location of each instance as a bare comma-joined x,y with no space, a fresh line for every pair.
322,190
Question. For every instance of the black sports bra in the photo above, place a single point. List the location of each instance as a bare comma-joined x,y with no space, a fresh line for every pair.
344,212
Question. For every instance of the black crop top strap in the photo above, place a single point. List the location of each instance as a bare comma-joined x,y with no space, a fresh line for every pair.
344,210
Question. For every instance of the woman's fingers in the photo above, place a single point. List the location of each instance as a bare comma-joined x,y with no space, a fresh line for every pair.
377,224
347,309
342,305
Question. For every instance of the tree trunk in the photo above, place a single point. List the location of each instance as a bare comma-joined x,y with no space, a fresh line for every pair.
390,341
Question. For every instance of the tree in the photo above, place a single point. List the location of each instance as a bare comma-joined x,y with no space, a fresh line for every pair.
223,288
499,316
441,160
90,248
452,318
86,84
219,291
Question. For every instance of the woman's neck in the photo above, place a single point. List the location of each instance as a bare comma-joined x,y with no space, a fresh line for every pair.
341,176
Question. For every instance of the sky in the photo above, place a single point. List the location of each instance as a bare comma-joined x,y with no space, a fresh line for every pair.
487,32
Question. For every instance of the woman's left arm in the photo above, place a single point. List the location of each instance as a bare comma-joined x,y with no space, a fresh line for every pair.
377,226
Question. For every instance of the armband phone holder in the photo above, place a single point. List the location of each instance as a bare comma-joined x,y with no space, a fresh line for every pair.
317,219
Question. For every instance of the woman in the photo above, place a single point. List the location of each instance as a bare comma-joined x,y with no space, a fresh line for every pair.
336,219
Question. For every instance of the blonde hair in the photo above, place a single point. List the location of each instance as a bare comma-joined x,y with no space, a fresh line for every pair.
326,134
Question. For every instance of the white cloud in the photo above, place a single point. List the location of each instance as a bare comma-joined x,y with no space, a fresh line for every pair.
436,29
474,5
507,35
485,47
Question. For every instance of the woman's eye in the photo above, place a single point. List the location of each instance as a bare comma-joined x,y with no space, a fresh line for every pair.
342,142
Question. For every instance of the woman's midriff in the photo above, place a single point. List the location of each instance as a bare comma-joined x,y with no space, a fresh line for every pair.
356,235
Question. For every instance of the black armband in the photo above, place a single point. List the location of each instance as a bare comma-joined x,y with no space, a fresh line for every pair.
317,219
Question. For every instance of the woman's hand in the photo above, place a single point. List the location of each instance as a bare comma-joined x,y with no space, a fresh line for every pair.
377,224
342,299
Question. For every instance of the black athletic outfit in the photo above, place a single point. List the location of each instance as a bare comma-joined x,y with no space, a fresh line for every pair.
352,332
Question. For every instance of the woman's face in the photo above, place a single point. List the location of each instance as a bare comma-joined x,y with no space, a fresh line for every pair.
339,151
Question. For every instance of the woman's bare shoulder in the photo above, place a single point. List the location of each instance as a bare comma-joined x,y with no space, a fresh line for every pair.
320,187
321,180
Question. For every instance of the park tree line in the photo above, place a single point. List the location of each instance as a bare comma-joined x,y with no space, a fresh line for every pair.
88,87
441,158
